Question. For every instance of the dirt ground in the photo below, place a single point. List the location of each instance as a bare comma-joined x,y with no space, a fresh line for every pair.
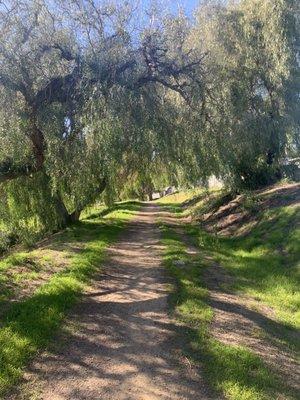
120,342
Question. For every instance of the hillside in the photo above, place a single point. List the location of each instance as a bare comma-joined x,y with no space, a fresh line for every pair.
239,292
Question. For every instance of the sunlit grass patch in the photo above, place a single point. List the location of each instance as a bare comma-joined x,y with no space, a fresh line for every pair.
174,202
119,209
178,197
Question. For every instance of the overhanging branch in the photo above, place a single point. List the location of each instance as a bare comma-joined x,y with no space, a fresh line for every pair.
10,171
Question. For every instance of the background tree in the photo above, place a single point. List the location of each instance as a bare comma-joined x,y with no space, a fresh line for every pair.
250,65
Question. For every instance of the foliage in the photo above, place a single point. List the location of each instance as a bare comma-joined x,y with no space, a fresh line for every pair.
93,100
251,65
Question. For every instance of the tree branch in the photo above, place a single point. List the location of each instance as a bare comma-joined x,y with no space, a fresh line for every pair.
9,171
58,89
9,84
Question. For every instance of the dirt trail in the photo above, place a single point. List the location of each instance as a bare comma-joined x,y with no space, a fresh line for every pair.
124,345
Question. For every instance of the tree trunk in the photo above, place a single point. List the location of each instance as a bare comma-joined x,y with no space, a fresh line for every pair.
62,211
37,139
10,171
75,215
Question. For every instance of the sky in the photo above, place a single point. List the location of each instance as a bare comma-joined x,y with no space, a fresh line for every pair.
190,5
187,5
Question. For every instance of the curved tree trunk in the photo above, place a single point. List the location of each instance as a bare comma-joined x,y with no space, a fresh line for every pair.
62,211
75,215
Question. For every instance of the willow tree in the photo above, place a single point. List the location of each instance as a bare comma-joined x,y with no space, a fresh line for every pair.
72,80
250,65
91,99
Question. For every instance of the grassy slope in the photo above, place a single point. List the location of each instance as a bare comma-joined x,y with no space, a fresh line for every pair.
265,263
236,371
28,326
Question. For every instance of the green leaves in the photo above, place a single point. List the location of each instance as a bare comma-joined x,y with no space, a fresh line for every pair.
86,98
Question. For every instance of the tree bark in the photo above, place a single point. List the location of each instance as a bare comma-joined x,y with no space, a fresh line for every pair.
62,211
10,171
37,139
75,215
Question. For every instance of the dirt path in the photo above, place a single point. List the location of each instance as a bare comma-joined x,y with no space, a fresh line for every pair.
123,345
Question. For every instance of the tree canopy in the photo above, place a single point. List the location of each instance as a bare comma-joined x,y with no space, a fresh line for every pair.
101,96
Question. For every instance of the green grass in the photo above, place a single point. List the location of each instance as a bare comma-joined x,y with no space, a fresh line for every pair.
265,263
234,371
29,326
7,279
173,202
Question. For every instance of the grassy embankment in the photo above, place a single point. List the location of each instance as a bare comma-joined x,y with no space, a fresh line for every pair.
264,264
28,325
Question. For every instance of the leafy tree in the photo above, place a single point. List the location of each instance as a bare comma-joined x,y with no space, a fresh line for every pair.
249,66
75,85
96,100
